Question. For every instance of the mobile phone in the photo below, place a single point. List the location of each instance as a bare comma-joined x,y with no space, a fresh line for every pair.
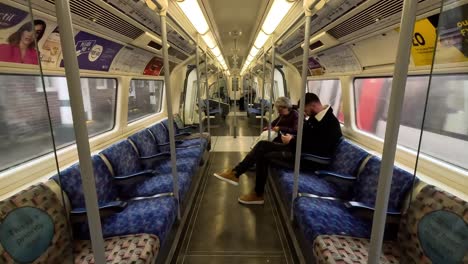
281,133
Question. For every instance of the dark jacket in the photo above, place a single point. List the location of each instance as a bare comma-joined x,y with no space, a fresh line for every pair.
287,124
320,138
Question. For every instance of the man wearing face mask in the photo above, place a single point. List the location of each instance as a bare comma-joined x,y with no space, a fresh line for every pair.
321,134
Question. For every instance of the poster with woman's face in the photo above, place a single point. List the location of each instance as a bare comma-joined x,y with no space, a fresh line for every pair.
18,35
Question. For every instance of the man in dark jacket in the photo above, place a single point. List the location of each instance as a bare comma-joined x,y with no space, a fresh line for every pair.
321,134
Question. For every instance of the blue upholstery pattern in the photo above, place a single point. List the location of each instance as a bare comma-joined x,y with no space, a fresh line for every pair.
160,133
325,217
365,189
188,165
70,180
162,183
308,183
123,158
347,158
152,216
145,143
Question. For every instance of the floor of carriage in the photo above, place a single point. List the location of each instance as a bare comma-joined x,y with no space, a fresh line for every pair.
220,229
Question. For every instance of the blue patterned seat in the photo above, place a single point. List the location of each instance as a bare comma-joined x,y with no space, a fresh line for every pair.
151,216
365,188
161,135
130,162
147,146
347,158
308,183
163,183
325,217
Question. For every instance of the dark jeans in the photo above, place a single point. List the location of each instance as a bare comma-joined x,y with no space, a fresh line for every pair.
261,155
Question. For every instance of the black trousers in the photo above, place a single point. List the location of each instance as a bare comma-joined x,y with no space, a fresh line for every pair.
261,155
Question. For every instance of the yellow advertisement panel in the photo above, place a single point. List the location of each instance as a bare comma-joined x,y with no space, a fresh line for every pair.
424,40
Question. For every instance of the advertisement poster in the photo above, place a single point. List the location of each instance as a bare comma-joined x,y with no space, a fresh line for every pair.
51,49
314,67
453,39
17,35
338,59
94,53
131,60
154,67
452,44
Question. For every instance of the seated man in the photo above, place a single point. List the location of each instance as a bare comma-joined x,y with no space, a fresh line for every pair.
321,134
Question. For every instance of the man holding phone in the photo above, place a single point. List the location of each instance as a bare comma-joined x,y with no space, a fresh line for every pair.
322,132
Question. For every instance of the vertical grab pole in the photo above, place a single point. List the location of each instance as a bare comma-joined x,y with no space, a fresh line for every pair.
200,112
207,91
273,56
262,105
305,68
400,74
72,71
170,116
218,88
235,104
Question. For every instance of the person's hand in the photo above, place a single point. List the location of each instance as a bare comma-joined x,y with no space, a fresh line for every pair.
265,128
286,138
276,128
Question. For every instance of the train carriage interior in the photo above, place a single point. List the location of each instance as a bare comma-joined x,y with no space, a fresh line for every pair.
219,131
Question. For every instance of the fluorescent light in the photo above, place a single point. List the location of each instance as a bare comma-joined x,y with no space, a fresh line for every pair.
209,40
254,51
194,13
261,39
216,51
277,12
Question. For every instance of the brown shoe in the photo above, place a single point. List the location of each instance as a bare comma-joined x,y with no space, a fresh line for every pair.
228,176
251,198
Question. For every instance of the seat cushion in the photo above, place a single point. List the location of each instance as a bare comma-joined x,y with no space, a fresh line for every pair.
342,249
145,143
158,184
135,249
308,183
325,217
188,165
151,216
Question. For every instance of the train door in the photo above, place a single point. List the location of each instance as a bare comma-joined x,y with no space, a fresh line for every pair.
190,115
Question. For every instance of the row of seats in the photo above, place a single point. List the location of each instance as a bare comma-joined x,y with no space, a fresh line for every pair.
339,201
134,187
256,109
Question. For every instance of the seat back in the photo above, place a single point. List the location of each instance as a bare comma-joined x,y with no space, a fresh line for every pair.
434,229
123,158
34,228
160,133
347,158
178,121
365,187
145,143
70,181
165,122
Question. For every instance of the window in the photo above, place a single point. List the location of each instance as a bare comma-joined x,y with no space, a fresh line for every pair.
24,124
144,98
445,134
329,92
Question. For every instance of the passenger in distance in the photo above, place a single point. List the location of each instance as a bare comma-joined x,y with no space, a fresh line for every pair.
321,134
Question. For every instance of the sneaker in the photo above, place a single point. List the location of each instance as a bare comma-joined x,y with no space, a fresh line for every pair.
251,198
228,176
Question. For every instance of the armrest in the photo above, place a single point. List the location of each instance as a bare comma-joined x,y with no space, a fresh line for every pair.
316,159
327,174
360,206
183,134
133,178
167,143
157,157
80,214
188,127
